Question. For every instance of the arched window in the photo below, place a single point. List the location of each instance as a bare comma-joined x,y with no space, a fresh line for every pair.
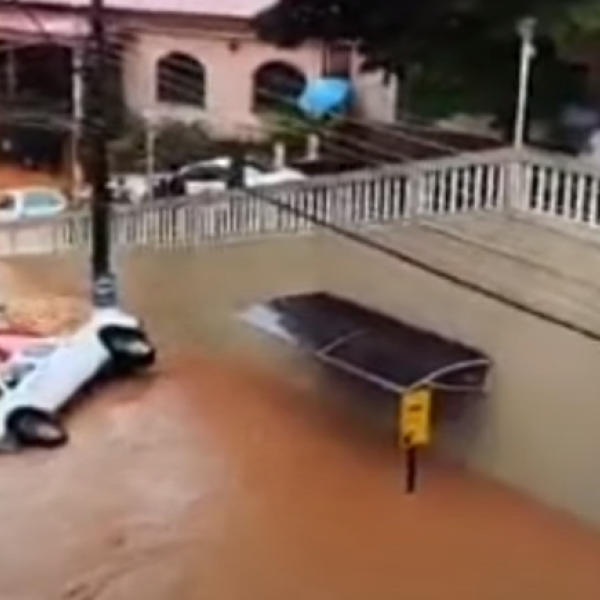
277,86
181,79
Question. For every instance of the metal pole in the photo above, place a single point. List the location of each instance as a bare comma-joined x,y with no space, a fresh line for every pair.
236,179
11,74
526,28
150,156
95,128
76,119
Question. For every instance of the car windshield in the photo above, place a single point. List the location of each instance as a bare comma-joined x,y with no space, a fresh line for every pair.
12,374
205,173
261,167
41,199
39,350
217,169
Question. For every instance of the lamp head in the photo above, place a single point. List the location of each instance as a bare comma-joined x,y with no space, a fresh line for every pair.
526,27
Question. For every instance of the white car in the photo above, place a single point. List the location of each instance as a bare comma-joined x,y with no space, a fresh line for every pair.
31,203
12,342
42,377
212,175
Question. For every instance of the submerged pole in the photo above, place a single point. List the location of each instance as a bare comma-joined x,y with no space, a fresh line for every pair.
97,164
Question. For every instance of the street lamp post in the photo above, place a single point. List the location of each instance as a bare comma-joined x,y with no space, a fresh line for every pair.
526,30
76,118
150,151
96,132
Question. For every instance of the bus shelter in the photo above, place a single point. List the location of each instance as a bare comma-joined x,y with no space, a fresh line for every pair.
410,362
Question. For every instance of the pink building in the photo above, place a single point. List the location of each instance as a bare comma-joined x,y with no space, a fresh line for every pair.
197,60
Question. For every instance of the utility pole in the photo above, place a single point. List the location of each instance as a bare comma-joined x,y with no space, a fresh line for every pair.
95,132
77,90
237,170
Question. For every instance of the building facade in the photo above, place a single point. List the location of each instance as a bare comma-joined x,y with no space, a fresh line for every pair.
193,60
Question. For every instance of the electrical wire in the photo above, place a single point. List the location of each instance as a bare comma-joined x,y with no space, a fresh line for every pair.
353,149
415,262
360,146
409,121
386,129
358,150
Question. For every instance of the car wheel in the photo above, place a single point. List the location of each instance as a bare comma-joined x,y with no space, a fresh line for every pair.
130,349
36,428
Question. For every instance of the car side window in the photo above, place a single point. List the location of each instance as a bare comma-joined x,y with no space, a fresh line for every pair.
13,373
7,202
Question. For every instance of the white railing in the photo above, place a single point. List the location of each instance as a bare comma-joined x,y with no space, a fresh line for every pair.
494,180
357,199
559,187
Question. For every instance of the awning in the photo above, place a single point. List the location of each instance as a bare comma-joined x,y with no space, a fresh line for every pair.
376,348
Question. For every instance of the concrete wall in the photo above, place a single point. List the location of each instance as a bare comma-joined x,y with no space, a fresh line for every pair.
539,428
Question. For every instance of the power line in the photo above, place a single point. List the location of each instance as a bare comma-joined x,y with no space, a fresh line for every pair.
98,34
389,130
95,133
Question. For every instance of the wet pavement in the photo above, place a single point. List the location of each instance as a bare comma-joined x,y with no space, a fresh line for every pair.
12,176
218,479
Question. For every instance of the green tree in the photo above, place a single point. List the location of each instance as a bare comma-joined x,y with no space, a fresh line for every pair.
452,54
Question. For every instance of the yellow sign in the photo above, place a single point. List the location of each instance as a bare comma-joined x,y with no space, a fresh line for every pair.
415,417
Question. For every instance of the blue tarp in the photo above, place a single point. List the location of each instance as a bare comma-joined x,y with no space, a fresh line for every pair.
324,97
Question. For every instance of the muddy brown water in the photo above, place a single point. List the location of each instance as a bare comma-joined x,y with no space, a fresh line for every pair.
234,473
12,176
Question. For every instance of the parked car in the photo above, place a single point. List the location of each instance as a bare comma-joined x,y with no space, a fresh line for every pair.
213,175
31,203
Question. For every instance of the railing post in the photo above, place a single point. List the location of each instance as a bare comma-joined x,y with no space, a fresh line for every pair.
515,194
415,200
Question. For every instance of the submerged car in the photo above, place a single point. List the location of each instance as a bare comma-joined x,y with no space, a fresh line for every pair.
42,376
14,341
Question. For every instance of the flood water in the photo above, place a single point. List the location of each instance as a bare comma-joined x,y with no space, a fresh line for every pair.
220,477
